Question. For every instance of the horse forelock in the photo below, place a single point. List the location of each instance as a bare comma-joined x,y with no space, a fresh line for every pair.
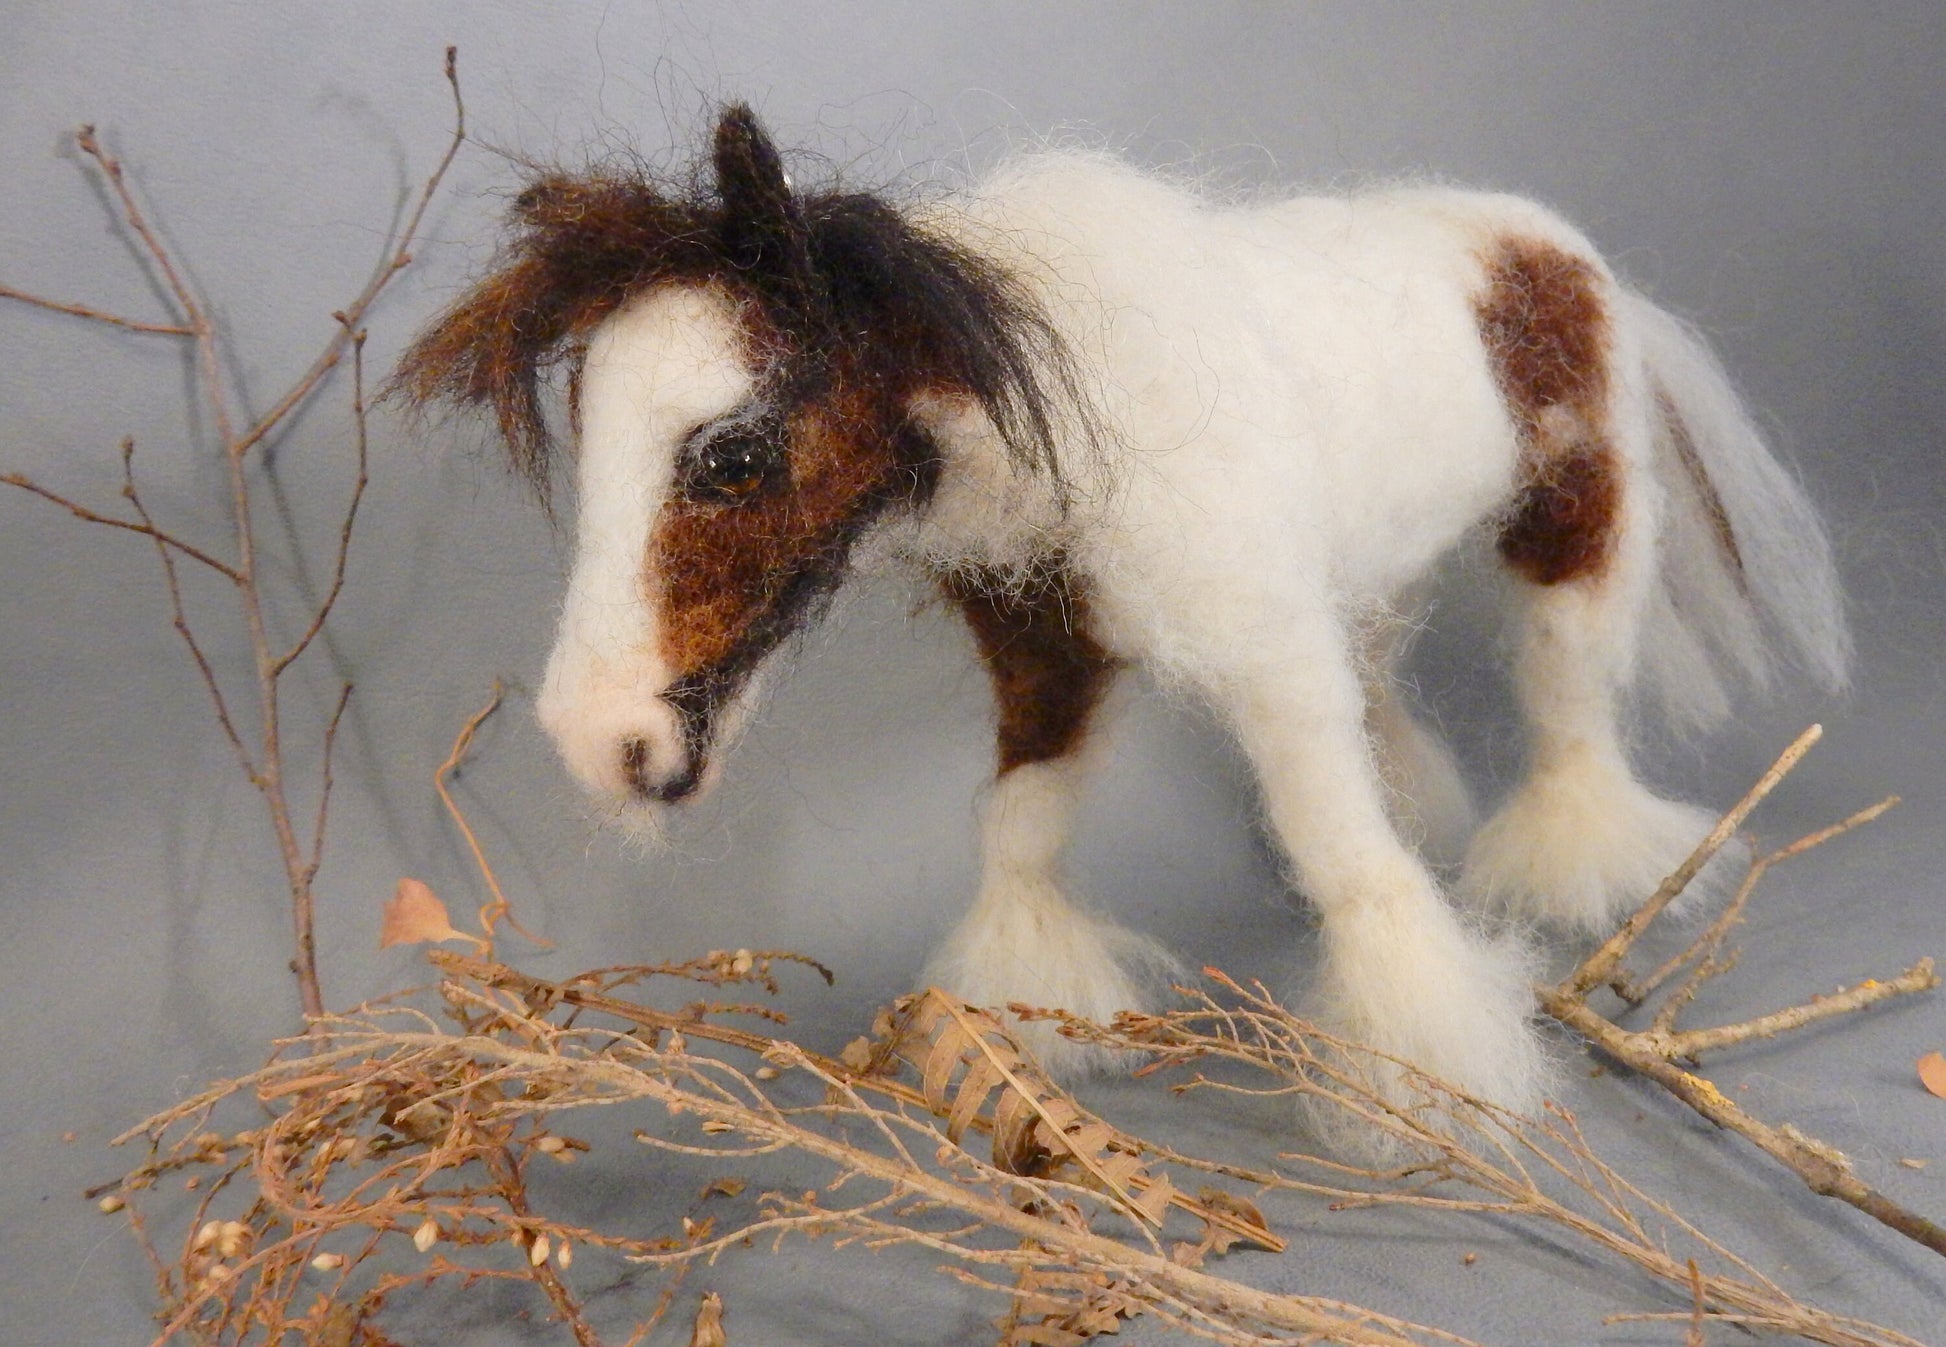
821,279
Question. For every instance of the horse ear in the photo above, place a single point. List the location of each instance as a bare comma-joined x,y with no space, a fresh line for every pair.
763,229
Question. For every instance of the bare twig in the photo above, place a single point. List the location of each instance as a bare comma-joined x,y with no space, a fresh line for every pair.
82,512
1601,965
179,617
382,1123
499,909
1659,1051
1823,1167
326,753
96,315
1706,944
396,261
1460,1154
361,440
264,762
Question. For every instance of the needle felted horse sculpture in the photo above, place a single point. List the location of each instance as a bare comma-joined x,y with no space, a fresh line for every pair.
1112,423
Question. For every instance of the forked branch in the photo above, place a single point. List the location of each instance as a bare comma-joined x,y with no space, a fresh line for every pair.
261,757
1664,1053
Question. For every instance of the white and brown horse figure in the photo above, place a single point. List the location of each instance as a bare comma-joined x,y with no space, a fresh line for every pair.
1113,422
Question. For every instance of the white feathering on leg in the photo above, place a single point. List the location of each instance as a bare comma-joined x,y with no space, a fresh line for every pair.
1582,843
1024,941
1404,975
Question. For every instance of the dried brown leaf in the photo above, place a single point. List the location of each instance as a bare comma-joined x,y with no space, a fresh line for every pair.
709,1323
1932,1074
416,916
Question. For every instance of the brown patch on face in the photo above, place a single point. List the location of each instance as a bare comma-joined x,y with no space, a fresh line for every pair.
1545,326
1048,672
731,578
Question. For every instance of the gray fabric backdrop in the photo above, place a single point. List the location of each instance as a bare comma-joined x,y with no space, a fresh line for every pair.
1774,170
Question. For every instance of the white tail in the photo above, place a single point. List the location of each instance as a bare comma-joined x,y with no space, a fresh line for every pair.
1745,580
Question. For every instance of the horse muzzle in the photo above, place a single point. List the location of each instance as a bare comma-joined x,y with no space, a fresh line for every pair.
624,742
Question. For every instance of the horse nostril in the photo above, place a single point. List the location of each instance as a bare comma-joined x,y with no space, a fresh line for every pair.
635,771
635,759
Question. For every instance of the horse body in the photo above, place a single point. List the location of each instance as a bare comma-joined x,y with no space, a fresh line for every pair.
1116,424
1308,376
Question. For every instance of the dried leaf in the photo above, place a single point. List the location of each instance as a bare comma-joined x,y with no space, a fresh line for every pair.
1932,1074
415,916
709,1323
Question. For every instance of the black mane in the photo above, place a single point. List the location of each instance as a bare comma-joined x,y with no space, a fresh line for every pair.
841,285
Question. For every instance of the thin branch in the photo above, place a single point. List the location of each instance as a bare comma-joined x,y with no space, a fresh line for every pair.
1601,964
500,909
362,448
1692,1043
179,615
1824,1169
195,324
82,512
265,768
1656,1051
1449,1137
96,315
396,261
325,755
1637,991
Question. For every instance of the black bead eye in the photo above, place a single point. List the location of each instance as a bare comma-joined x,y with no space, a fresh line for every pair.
733,464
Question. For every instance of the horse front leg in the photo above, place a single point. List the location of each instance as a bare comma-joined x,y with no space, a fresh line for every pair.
1401,971
1023,940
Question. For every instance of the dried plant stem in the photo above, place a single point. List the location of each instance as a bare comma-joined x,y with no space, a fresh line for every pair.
1297,1314
410,1134
94,314
543,995
499,909
83,513
1823,1168
1705,945
1445,1143
1659,1050
263,761
1600,965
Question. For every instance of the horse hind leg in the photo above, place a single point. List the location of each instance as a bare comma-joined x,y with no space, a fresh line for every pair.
1023,939
1581,840
1425,792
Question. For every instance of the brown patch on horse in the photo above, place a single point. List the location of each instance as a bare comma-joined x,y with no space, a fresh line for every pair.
1048,672
727,577
1562,527
1545,325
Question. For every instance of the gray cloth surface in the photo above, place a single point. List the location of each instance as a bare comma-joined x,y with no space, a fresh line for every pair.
1776,171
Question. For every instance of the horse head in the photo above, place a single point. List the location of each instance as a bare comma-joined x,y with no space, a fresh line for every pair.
745,366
